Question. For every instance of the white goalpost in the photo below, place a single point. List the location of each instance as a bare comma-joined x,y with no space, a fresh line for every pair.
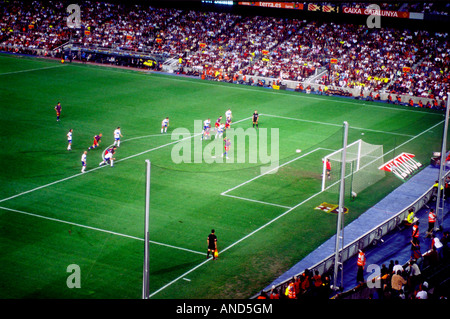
361,166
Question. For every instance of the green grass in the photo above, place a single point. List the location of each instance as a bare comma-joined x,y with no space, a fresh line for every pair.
52,216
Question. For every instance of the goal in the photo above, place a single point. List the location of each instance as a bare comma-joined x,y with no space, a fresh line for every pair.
361,168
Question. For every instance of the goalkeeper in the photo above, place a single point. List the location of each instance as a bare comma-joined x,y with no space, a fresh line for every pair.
328,168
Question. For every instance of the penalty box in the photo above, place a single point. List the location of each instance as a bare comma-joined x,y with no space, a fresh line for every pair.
286,184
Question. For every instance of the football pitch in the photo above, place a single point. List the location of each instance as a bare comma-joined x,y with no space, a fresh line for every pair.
54,217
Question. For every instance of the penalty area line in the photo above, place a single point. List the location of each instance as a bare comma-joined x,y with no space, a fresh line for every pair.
270,171
256,201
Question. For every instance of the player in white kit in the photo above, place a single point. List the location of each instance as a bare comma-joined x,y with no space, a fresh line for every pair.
206,129
228,115
69,140
83,162
164,125
117,136
219,132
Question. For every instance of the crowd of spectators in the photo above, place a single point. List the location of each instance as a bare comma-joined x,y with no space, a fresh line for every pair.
429,77
412,280
228,47
309,284
31,26
408,281
436,7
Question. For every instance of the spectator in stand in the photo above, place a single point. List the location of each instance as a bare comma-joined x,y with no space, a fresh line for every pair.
326,287
262,295
432,257
317,279
297,285
391,266
422,292
274,293
445,244
397,267
414,275
436,244
415,249
385,276
305,281
397,283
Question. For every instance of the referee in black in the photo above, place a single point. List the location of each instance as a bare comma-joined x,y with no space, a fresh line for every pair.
212,244
255,118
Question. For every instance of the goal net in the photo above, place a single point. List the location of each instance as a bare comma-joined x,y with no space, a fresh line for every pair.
361,168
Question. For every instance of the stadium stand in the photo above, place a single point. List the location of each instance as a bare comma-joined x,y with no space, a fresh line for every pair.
330,58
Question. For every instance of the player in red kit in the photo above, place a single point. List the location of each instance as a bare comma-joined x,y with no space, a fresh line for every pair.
218,122
58,111
96,143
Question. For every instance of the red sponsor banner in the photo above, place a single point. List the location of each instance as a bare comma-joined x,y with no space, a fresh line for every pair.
280,5
333,60
202,45
406,69
383,13
265,52
403,166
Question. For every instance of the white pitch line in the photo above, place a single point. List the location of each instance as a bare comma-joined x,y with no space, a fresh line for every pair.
99,230
30,70
180,277
275,168
337,125
256,201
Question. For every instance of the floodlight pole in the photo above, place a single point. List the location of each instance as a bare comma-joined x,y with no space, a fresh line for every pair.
340,222
439,209
145,281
